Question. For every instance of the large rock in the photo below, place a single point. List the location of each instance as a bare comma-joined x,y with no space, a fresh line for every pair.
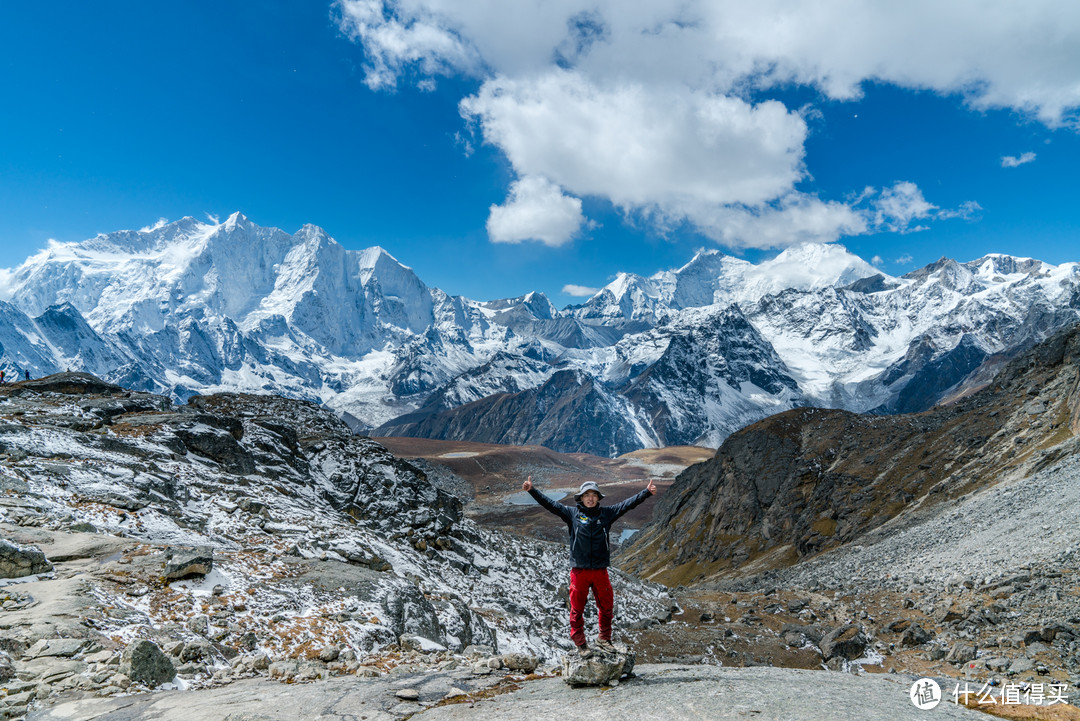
916,635
410,613
962,653
848,641
18,561
7,668
189,562
145,663
600,669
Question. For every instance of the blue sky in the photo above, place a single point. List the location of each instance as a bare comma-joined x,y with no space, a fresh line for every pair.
500,148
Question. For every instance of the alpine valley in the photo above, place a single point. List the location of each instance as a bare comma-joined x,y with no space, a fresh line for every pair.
683,357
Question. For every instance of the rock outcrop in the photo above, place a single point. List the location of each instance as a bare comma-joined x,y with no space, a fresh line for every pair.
333,557
181,563
18,561
143,662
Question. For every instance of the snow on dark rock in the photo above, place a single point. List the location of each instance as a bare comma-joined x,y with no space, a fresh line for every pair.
18,561
322,539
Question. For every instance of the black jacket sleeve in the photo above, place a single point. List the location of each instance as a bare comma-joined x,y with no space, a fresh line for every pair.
619,509
565,512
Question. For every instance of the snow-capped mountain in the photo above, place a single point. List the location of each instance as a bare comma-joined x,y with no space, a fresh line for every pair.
683,356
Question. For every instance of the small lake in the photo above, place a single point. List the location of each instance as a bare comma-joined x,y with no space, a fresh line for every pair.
522,498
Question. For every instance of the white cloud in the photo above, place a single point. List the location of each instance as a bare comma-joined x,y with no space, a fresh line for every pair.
877,260
897,209
161,223
668,154
536,209
396,36
904,259
643,103
6,277
580,291
1024,56
1010,161
794,219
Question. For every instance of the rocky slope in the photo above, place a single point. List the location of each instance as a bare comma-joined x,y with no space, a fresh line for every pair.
808,480
242,535
685,356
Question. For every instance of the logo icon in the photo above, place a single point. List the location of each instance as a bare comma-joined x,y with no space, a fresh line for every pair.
925,694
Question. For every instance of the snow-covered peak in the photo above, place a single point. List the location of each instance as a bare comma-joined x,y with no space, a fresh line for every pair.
533,305
809,266
237,220
711,277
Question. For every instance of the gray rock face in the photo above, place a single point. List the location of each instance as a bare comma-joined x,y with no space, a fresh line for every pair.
189,562
598,670
915,635
7,668
961,653
848,641
56,647
145,663
520,662
412,614
19,561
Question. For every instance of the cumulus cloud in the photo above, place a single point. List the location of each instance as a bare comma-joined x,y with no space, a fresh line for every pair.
877,260
1024,56
645,103
669,154
397,36
536,209
904,259
900,208
1010,161
580,291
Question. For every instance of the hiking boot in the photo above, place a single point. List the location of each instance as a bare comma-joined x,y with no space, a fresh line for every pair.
584,651
606,646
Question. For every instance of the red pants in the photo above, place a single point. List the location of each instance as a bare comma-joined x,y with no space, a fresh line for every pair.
581,580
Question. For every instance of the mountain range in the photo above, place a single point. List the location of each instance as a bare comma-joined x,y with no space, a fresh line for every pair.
684,356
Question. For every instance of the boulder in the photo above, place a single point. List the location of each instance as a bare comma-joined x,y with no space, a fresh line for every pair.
7,668
600,669
1021,665
962,653
18,561
520,662
144,662
848,641
56,647
915,635
189,562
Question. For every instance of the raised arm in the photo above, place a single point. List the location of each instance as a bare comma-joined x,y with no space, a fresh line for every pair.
564,512
619,509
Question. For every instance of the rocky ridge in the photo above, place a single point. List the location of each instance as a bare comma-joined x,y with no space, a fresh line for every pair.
245,535
808,480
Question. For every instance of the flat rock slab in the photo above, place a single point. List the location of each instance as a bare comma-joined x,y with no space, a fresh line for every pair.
664,692
342,698
660,692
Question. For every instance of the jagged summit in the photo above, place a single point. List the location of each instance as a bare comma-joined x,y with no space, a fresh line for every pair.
203,306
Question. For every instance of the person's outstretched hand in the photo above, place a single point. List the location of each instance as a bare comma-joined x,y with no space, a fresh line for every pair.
652,487
527,485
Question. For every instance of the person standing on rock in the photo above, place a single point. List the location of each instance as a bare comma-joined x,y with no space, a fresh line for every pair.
590,555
